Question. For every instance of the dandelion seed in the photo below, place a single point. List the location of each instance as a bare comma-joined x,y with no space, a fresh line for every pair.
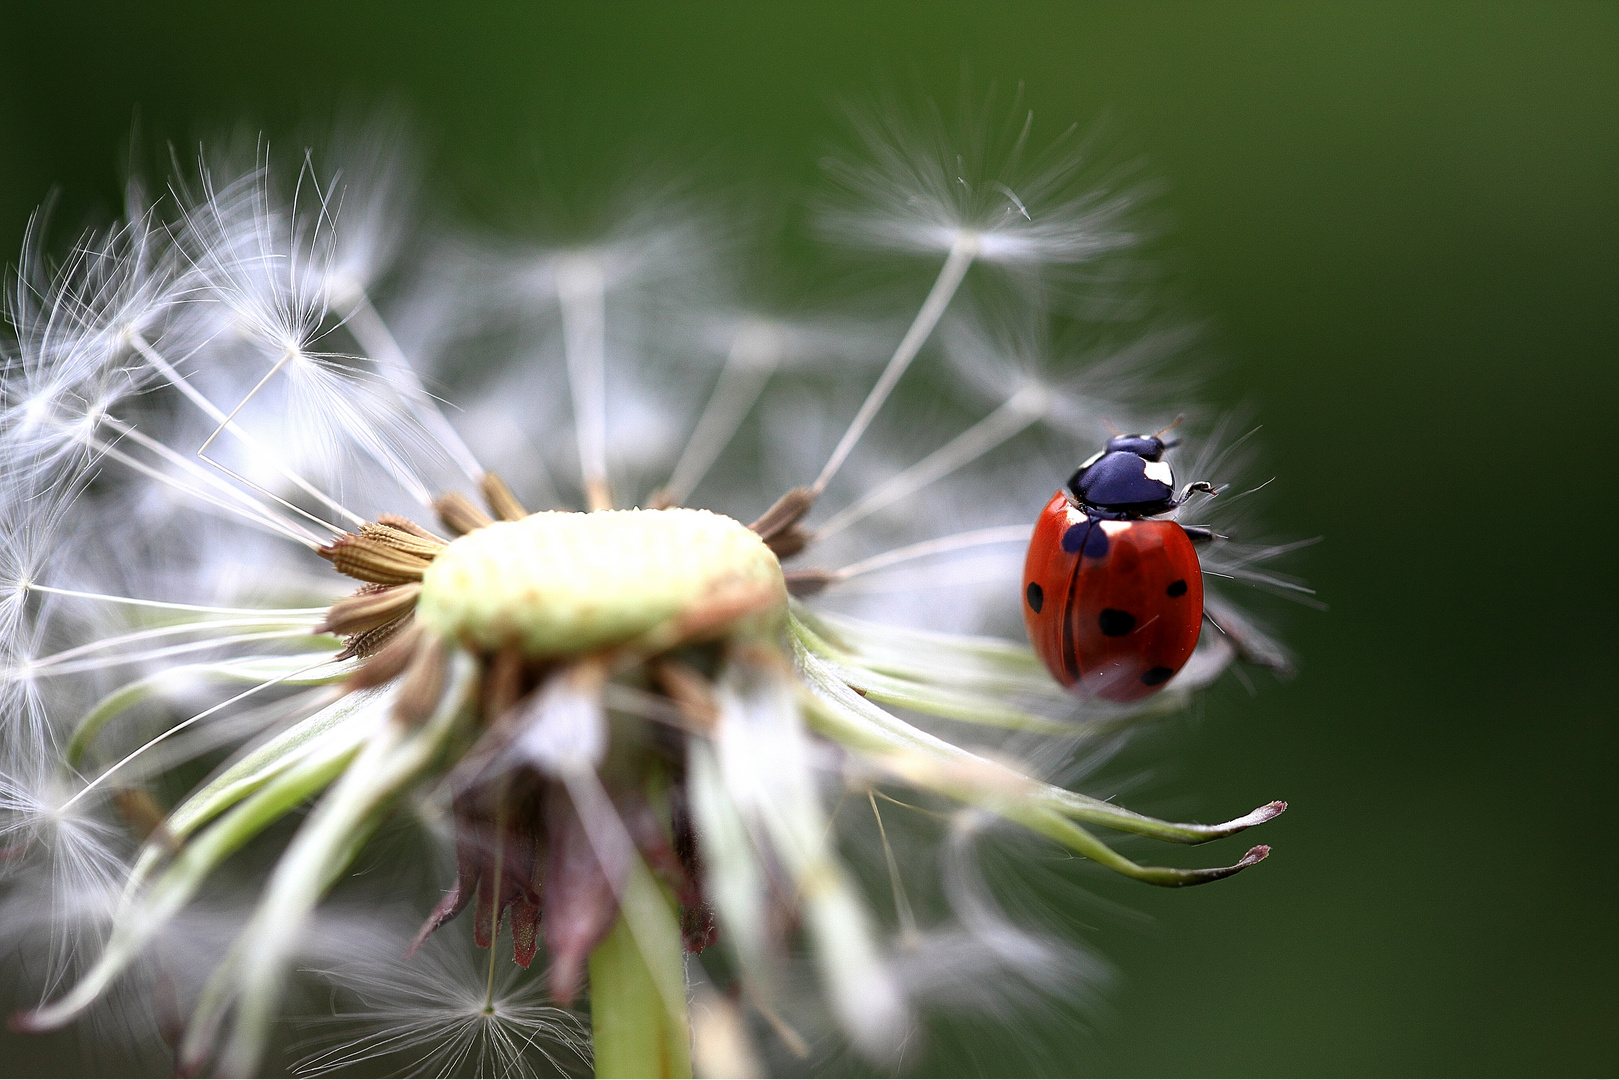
437,1015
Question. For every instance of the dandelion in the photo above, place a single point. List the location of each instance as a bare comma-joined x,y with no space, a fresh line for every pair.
255,572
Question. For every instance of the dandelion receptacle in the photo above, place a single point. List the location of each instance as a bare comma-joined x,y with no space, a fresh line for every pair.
631,699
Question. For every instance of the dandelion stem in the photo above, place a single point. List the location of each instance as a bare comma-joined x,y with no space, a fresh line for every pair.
633,1030
582,295
638,974
962,253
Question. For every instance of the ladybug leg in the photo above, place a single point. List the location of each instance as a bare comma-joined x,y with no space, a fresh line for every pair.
1195,487
1199,534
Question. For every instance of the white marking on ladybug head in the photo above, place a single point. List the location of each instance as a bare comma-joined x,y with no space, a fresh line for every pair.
1114,528
1093,459
1159,471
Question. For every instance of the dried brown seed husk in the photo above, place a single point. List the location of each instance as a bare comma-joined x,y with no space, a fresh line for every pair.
460,514
372,642
400,540
372,560
424,681
404,524
691,692
808,582
503,683
392,659
789,541
369,609
784,513
502,503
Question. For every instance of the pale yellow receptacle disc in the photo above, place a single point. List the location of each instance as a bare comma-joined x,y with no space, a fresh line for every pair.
556,583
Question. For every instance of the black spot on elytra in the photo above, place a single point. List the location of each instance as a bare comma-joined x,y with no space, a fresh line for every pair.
1037,596
1096,543
1177,587
1116,623
1157,676
1073,538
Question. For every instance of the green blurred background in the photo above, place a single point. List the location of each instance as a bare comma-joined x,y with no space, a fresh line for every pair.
1403,223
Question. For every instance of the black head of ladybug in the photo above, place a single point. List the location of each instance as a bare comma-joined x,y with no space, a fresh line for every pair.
1128,478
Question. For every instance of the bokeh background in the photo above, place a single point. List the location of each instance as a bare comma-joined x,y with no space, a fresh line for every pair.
1401,222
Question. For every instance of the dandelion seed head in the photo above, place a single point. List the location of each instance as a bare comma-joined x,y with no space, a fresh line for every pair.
248,454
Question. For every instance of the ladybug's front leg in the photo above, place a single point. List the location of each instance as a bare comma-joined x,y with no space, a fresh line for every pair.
1195,487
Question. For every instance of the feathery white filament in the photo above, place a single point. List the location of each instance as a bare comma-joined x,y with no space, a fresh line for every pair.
218,415
302,626
582,293
1000,534
1012,417
182,725
282,528
752,359
164,605
962,252
249,507
376,339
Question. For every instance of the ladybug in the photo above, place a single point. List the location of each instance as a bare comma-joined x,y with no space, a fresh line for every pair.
1113,600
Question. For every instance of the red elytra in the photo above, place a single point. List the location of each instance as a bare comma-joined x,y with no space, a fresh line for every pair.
1113,608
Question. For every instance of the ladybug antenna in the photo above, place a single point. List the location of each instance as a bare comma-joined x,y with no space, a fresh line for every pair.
1173,425
1111,426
